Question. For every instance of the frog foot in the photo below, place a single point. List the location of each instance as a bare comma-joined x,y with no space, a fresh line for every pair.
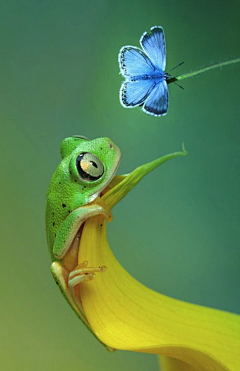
107,214
67,282
82,273
60,274
106,211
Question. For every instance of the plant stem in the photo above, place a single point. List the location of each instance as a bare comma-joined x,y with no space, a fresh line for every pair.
201,70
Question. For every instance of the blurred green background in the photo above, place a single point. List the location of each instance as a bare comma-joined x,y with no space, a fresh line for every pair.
59,76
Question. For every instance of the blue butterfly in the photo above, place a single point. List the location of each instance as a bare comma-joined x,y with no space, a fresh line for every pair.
145,80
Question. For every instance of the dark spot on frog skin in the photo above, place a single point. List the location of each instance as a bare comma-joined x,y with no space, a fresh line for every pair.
53,224
59,182
64,205
69,211
101,225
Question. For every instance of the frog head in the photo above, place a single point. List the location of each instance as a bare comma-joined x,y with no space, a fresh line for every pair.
87,167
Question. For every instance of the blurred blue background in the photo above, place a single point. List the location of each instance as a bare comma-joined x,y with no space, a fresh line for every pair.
178,231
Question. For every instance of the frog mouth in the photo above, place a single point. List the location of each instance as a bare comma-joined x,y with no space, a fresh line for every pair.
106,187
111,182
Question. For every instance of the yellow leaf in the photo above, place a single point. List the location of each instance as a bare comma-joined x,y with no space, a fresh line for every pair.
124,314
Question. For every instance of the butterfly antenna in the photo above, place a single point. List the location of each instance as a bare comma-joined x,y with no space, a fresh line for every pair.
176,66
178,85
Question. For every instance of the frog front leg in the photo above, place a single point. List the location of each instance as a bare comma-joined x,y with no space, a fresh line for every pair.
71,225
69,274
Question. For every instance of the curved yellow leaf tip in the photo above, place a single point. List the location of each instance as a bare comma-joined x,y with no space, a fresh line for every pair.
184,149
124,314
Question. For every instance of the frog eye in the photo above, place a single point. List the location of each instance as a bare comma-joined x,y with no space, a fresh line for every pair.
80,137
89,167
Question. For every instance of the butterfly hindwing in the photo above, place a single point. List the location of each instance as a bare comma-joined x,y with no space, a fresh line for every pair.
134,93
134,62
156,103
154,46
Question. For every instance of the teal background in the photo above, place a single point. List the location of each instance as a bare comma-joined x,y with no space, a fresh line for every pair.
178,231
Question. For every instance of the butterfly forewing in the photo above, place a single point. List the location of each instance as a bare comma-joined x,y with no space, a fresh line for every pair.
134,62
157,102
155,47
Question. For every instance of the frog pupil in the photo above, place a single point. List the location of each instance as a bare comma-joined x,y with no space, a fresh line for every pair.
93,164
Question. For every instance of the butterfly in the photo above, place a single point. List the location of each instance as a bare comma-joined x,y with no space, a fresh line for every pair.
144,71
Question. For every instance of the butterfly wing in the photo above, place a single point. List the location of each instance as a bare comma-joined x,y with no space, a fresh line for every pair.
155,47
134,93
144,72
133,62
156,103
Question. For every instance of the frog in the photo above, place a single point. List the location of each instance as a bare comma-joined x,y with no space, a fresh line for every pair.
85,171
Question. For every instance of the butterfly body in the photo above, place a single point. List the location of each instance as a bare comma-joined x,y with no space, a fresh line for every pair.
158,75
144,71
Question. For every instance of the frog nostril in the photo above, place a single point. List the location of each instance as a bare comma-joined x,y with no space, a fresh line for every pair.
110,145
